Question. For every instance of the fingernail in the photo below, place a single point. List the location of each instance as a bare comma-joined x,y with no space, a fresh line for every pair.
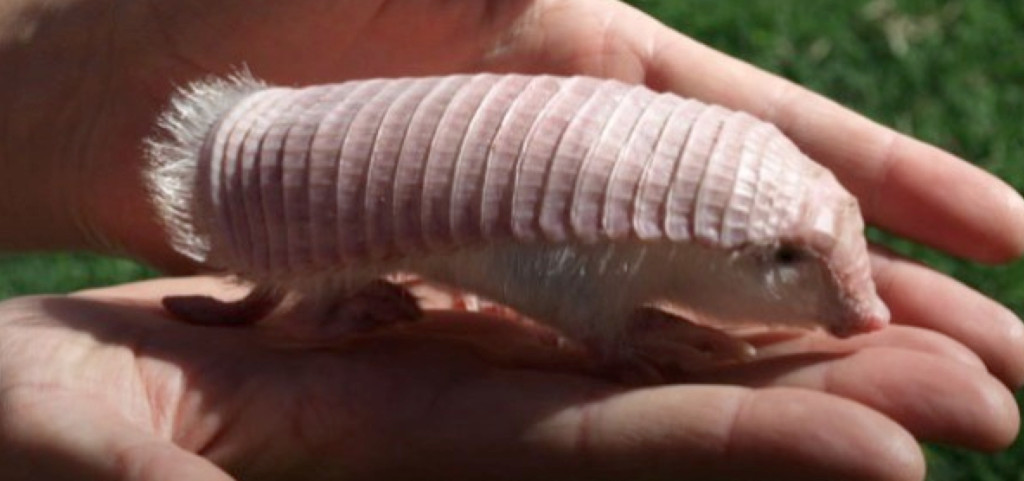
1014,205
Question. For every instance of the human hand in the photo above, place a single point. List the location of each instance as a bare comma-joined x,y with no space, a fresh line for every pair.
102,385
77,154
73,151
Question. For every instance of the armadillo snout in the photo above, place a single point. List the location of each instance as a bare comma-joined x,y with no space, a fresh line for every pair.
835,230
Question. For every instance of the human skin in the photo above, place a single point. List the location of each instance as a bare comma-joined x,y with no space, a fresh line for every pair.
83,81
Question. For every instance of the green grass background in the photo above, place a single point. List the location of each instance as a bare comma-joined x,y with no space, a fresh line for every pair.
949,72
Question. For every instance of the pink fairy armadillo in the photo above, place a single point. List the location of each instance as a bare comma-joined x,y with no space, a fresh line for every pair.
572,200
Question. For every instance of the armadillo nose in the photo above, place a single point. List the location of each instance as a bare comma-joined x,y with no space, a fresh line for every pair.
872,323
879,316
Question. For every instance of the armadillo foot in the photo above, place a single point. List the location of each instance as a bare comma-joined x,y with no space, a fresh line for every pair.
664,346
375,306
208,311
378,304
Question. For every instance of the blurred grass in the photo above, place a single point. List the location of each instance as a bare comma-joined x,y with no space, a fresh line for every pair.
64,272
949,72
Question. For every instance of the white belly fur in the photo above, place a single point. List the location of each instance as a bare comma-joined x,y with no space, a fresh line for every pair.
588,292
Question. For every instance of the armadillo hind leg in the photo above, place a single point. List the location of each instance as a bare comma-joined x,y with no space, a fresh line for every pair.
325,314
325,311
207,310
377,305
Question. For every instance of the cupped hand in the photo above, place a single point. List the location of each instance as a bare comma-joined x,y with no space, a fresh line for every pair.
101,385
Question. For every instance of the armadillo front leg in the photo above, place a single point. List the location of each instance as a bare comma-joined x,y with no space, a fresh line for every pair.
661,343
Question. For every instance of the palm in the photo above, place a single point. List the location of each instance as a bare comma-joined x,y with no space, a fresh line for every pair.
417,402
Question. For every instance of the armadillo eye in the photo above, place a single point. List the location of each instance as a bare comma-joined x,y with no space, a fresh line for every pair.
788,255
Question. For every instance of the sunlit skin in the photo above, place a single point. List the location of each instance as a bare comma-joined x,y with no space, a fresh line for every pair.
103,385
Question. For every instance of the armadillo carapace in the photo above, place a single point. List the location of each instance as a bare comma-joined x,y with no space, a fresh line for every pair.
572,200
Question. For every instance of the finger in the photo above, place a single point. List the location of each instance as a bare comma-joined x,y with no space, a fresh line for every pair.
919,296
455,418
932,397
154,290
54,436
557,430
896,178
